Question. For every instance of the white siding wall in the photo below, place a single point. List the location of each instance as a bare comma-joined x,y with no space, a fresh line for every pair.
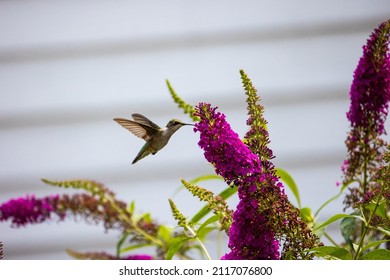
67,68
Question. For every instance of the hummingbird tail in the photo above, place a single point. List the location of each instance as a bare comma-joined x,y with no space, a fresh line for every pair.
137,158
143,153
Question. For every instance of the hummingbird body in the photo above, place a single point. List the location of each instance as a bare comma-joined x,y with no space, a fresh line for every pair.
156,137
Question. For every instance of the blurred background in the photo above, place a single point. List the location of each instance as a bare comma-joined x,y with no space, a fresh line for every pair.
67,68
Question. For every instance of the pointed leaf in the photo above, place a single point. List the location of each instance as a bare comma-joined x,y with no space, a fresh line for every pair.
343,187
385,231
379,254
145,217
133,247
210,220
333,252
201,234
120,243
200,179
333,219
132,207
347,227
380,209
206,178
286,178
175,246
164,233
306,214
374,244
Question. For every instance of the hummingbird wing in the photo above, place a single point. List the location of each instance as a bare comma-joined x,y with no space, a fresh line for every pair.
138,129
145,121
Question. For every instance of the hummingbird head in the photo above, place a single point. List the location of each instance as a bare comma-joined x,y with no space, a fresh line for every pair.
175,124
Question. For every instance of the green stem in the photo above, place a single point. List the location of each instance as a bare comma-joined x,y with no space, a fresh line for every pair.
193,233
364,188
134,226
219,249
203,248
366,226
365,170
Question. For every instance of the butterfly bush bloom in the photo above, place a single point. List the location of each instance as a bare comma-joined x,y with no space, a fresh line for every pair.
370,89
265,224
250,236
29,210
370,96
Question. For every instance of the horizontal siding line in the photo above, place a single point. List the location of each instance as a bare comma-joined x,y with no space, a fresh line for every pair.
186,169
176,42
66,116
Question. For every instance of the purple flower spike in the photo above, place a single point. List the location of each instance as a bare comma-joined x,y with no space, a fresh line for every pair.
370,90
370,97
28,210
138,257
250,235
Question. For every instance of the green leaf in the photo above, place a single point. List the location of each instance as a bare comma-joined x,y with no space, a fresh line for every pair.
379,254
380,209
164,232
146,217
206,178
202,178
383,230
201,234
333,219
306,214
210,220
175,246
347,227
374,244
133,247
120,243
332,252
205,210
286,178
132,207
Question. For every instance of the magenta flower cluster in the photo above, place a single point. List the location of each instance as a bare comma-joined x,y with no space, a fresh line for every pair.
370,97
138,257
370,90
250,236
223,147
29,210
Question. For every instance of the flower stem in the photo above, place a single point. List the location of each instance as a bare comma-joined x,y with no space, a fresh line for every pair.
366,226
134,226
203,248
193,233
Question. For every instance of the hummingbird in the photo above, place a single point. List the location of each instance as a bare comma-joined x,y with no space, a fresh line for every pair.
156,137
